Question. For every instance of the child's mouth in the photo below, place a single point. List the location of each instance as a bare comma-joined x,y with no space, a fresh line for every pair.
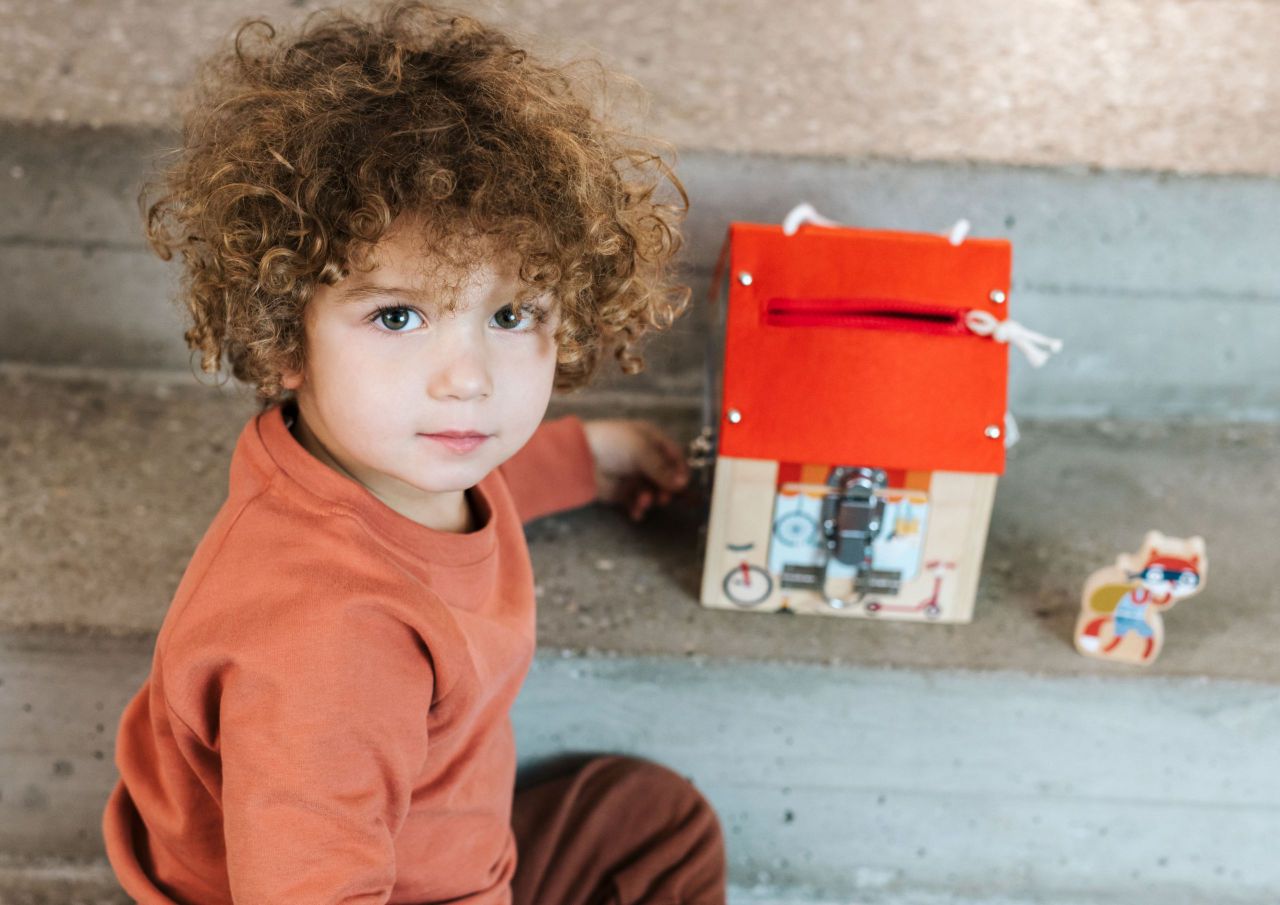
460,443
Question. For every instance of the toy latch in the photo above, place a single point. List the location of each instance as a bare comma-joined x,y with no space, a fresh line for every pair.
852,518
852,513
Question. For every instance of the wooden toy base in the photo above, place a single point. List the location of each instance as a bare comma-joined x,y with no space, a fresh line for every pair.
764,539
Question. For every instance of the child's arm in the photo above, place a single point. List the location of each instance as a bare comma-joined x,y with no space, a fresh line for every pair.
569,463
315,720
554,471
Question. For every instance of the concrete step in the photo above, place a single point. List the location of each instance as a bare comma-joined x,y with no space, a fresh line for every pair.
112,478
850,760
843,783
91,883
61,883
1163,287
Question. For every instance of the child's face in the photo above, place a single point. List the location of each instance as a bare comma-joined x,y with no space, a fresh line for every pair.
375,384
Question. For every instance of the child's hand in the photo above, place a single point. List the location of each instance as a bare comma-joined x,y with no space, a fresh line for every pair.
637,463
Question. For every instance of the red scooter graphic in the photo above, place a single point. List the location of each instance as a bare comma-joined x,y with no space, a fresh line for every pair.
929,606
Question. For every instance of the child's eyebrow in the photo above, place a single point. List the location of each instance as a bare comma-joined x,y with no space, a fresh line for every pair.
422,297
357,293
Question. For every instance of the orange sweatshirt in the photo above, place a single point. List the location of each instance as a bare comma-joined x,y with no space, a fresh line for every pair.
327,714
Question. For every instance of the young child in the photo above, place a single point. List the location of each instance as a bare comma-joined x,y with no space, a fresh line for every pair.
405,233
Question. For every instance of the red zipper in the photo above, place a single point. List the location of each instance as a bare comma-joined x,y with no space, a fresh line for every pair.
864,314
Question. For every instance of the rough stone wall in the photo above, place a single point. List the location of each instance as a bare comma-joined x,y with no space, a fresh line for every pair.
1188,86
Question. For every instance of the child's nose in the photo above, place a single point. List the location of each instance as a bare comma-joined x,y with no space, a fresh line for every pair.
465,375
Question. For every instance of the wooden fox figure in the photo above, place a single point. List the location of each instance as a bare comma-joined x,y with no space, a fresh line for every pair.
1121,604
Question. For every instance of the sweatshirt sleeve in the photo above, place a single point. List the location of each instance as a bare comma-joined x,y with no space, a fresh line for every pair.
554,471
320,724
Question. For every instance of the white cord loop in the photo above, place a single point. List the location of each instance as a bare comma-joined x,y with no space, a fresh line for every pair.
1036,346
801,214
805,213
959,232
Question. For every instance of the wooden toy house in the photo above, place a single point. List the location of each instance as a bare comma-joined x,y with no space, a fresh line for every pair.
861,422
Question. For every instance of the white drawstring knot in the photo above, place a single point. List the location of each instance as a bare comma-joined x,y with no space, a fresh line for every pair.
1037,347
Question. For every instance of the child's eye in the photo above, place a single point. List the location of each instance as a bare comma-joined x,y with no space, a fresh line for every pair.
395,318
510,318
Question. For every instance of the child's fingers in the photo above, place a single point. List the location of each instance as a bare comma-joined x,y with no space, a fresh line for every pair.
672,472
640,504
646,499
676,453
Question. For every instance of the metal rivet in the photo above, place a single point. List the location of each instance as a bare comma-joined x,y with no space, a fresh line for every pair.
992,432
734,416
998,296
744,278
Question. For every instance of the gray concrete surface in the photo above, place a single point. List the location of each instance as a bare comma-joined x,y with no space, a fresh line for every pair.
833,784
91,883
1165,289
108,487
877,784
1183,85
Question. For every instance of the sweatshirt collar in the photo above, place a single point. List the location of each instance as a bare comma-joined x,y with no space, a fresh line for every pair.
319,480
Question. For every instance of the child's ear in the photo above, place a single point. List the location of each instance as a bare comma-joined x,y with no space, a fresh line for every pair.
290,380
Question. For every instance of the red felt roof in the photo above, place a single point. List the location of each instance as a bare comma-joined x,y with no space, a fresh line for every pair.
848,346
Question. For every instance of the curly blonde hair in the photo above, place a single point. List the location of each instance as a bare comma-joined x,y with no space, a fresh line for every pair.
299,152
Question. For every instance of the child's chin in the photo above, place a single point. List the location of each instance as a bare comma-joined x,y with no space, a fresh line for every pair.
447,477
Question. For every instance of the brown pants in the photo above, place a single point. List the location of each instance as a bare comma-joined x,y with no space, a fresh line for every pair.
614,830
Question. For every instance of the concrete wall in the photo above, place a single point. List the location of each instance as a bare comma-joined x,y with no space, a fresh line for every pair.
1165,288
1181,85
